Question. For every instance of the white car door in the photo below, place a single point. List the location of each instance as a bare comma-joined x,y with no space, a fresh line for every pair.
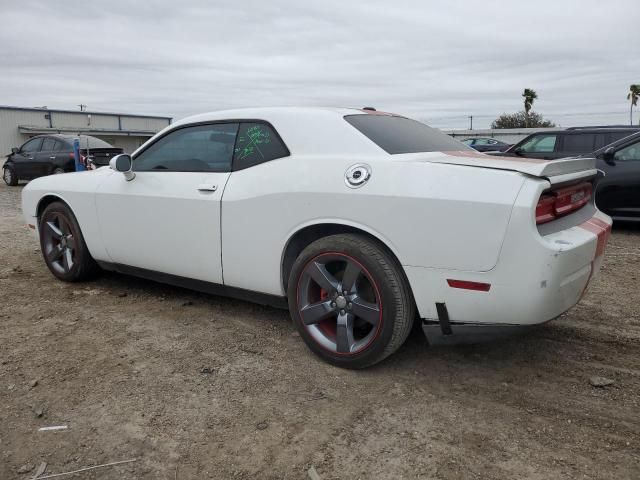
167,219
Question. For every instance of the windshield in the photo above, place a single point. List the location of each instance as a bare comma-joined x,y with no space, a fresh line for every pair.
402,135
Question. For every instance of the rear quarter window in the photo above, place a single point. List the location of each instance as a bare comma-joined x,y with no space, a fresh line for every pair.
579,143
397,135
257,143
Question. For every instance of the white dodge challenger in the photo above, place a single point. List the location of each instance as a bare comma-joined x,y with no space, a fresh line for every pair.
363,222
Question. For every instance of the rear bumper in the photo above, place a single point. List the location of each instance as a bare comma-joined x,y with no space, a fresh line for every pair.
538,277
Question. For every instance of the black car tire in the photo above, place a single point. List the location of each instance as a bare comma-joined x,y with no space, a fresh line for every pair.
379,274
57,171
58,217
9,176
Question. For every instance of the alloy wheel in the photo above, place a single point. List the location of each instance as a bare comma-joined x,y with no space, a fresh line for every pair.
339,303
59,243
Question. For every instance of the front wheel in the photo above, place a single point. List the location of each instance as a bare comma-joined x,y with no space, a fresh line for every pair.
62,244
350,300
9,176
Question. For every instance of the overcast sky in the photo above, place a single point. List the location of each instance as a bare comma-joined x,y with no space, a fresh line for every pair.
435,61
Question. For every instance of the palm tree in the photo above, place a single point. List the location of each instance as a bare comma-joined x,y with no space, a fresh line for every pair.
633,95
529,96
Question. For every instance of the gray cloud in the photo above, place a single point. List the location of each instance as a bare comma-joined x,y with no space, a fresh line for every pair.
438,61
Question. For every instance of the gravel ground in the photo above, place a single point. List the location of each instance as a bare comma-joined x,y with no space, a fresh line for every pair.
196,386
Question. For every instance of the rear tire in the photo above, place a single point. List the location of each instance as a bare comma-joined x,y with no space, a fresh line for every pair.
57,171
350,300
9,176
62,244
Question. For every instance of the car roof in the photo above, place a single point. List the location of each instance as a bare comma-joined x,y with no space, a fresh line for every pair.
606,127
63,136
270,113
304,130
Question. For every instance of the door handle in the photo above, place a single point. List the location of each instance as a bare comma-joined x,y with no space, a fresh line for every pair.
207,187
52,158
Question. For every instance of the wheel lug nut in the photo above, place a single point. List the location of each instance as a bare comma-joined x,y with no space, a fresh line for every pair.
341,312
333,304
350,305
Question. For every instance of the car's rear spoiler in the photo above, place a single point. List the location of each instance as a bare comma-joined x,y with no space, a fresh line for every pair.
560,171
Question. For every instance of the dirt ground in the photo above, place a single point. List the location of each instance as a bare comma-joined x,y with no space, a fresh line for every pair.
197,386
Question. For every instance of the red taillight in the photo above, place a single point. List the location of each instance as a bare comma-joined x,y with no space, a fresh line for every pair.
562,202
545,211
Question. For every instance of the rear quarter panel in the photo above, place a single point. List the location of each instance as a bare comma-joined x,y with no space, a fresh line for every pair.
429,215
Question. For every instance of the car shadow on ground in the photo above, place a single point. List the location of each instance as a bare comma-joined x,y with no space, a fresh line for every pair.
530,347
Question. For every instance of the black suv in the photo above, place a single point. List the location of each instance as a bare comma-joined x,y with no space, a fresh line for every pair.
567,143
618,191
47,154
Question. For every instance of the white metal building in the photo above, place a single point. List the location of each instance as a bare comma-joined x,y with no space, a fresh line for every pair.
124,130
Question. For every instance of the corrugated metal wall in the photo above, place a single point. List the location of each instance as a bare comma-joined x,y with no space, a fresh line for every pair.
11,119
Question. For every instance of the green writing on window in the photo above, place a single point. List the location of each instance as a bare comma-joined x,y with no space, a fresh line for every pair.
251,140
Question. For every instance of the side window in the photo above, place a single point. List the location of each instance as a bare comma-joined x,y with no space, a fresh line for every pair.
601,141
481,141
202,148
468,141
578,143
257,143
539,144
59,146
630,152
32,146
615,136
48,144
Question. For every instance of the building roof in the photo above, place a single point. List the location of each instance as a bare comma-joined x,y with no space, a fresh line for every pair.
85,112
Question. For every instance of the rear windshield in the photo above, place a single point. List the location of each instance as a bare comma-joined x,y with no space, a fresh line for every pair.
93,142
403,135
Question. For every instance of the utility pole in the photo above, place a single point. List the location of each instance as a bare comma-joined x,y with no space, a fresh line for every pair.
82,106
470,122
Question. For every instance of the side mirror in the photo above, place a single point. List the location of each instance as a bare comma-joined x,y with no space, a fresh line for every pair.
15,150
608,155
122,163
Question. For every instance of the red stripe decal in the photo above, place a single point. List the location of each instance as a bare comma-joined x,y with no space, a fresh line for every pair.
601,229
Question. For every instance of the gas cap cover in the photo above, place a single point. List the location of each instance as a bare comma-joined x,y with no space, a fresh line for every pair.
357,175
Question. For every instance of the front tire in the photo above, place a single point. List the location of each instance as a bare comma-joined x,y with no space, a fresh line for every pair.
9,176
63,247
350,300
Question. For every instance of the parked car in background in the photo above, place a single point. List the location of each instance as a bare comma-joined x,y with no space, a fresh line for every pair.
485,144
359,221
617,193
567,143
52,154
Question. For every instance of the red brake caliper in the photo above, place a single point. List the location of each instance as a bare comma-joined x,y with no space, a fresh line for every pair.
328,327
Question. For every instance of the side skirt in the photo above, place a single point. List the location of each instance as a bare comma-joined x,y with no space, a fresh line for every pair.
199,285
